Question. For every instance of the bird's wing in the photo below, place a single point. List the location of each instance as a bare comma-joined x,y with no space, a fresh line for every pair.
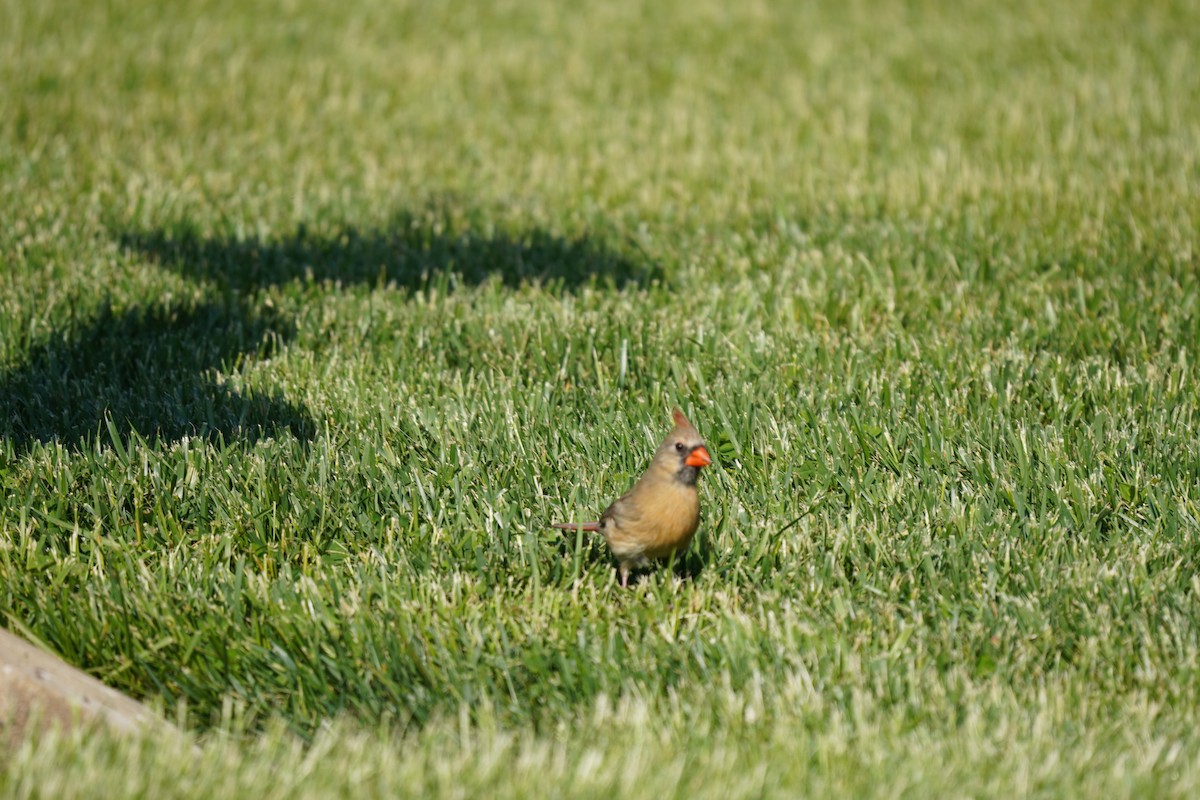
623,511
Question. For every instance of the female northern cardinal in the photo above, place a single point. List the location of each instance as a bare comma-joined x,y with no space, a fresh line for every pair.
659,514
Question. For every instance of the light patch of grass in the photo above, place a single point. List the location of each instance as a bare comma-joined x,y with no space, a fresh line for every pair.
713,743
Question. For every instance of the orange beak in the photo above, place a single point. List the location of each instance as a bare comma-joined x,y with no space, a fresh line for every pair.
698,457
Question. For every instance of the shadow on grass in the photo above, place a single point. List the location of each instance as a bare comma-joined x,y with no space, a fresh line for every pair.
149,370
153,369
414,250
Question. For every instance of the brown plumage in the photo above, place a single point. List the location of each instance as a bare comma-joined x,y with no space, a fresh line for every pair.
659,514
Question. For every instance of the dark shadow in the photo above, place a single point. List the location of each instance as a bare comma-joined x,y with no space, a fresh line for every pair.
692,563
153,369
412,251
149,371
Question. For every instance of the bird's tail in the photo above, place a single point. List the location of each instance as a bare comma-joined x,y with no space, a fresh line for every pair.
592,527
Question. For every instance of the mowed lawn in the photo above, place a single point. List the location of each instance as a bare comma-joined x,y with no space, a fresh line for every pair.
313,315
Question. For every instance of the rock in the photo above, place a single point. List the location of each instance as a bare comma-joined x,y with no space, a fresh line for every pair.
39,690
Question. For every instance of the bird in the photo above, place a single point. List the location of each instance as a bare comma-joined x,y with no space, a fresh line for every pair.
659,514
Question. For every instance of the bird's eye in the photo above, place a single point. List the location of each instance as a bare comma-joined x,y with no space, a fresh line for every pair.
679,446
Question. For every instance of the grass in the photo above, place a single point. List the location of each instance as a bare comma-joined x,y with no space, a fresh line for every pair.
312,318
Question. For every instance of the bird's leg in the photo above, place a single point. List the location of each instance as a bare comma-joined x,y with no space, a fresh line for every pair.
624,570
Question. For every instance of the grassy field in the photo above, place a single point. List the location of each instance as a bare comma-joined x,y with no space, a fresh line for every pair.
313,316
